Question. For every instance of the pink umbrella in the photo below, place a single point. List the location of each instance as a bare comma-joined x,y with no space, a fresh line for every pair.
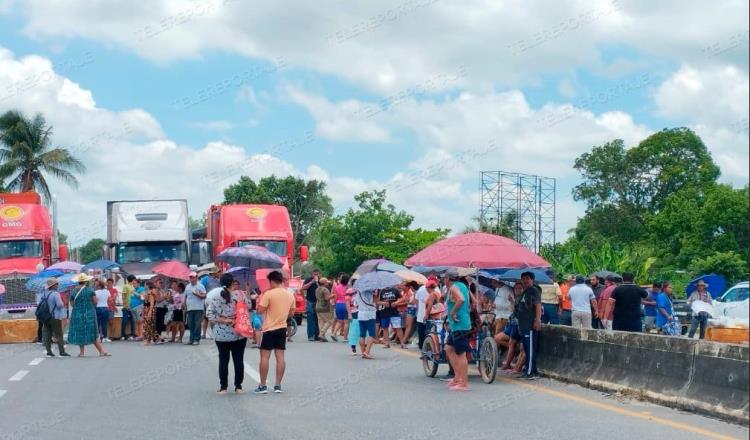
173,269
480,250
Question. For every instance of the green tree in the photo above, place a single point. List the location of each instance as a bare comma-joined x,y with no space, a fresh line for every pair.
307,201
26,155
90,251
643,177
730,265
373,229
699,221
196,223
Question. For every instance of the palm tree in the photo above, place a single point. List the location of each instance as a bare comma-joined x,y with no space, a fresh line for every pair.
26,155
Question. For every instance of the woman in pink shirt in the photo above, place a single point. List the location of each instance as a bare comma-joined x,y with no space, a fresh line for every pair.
341,326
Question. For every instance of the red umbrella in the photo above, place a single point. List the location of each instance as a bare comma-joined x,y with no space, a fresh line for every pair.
173,269
483,251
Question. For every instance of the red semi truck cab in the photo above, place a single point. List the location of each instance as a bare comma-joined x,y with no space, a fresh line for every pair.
26,240
261,225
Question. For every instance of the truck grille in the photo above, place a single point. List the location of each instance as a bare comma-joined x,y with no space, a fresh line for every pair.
16,294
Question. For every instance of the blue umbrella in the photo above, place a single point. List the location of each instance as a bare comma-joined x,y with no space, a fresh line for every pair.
251,257
717,285
376,281
47,273
66,281
37,284
100,265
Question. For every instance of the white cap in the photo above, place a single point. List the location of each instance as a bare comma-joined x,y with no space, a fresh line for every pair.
193,274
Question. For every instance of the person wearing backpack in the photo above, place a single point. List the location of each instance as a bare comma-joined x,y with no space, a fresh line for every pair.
50,312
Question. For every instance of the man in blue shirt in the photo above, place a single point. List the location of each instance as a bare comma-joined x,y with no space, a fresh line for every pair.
664,306
649,306
459,321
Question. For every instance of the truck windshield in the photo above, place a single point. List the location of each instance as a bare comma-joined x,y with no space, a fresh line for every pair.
277,247
151,252
20,248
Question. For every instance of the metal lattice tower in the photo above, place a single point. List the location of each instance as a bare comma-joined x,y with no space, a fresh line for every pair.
524,201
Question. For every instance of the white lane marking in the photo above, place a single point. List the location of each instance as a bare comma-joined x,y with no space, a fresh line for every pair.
20,375
36,361
252,372
2,393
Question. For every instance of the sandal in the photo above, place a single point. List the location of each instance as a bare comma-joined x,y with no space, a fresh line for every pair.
238,391
221,391
105,354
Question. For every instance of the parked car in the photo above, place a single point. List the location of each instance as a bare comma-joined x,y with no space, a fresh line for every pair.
734,303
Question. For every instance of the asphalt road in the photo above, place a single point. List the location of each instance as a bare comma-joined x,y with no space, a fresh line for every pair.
168,392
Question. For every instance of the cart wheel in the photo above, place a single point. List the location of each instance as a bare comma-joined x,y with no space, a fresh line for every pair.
431,352
488,360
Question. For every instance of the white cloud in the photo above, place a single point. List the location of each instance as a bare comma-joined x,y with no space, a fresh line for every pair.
714,102
338,121
388,46
126,153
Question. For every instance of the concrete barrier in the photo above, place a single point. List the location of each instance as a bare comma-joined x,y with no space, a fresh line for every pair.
701,376
14,331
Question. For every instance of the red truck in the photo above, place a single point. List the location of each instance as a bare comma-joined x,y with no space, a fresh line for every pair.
261,225
27,241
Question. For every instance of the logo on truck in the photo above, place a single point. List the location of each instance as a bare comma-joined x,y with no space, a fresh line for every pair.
10,215
256,213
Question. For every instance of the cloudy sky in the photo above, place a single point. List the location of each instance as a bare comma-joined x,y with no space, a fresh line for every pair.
173,99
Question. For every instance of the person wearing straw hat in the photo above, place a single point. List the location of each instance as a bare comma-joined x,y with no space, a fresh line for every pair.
701,318
83,324
53,326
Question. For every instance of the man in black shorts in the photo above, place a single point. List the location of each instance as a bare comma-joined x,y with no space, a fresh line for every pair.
277,306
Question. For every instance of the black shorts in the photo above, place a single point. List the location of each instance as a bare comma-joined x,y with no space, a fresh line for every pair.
459,340
177,316
273,340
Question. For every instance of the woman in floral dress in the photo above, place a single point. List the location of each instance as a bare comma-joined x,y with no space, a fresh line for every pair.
149,315
83,325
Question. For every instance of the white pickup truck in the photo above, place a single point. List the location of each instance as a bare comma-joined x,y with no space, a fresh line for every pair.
734,302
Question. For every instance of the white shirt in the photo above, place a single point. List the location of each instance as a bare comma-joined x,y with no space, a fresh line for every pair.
503,303
581,296
193,302
102,295
421,298
365,306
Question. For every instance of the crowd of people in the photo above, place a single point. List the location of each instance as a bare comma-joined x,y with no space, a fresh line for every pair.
205,307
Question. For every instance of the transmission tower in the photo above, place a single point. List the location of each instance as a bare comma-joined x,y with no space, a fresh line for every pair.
525,201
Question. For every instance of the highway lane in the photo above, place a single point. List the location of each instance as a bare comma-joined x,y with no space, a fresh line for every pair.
168,391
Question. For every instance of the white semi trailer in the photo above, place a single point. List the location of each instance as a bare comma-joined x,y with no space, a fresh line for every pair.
143,233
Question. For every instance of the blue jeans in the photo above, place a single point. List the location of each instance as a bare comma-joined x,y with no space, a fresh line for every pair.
127,317
102,318
193,321
550,314
312,321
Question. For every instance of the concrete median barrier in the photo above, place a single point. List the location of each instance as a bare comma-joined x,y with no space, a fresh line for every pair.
700,376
